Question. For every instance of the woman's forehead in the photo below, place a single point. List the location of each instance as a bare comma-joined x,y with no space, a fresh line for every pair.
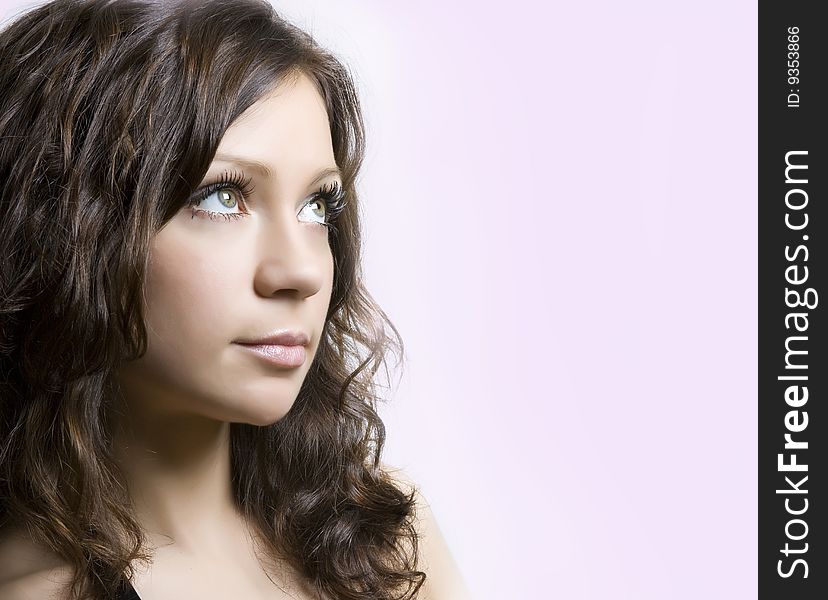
288,130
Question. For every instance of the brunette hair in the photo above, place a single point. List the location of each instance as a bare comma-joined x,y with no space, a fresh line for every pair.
110,114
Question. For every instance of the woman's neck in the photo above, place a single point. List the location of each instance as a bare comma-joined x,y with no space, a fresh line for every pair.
177,468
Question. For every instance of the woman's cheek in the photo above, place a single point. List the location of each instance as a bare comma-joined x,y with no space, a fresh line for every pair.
190,304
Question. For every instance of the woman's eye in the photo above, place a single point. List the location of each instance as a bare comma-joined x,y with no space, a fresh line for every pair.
225,198
321,210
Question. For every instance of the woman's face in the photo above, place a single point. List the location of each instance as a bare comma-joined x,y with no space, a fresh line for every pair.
216,280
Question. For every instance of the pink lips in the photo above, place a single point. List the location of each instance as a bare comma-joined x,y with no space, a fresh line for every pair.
282,356
284,348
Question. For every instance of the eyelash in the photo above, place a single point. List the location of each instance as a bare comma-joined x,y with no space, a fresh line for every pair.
332,195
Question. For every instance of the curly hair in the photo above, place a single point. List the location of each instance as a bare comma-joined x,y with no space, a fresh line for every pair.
110,114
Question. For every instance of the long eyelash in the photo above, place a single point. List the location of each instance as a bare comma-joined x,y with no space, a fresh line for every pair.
229,179
335,200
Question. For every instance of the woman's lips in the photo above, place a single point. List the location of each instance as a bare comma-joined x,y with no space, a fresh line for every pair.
277,354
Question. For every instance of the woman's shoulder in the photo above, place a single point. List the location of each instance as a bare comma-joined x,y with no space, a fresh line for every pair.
46,584
27,571
443,577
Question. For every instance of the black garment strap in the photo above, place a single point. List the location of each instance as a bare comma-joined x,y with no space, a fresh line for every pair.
129,593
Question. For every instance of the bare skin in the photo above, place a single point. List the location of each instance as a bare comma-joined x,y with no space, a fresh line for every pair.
212,282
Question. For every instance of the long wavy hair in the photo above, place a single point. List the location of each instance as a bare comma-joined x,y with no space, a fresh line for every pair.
110,114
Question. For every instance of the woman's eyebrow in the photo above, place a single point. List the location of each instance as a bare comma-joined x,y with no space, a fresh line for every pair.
262,168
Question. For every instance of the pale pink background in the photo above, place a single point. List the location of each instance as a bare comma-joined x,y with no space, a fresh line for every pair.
561,220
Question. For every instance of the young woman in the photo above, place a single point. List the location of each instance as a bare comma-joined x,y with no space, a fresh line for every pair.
187,351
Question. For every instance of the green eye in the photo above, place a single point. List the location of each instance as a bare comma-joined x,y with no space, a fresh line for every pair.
230,191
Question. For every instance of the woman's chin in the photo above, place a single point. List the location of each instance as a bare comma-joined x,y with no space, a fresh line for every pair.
262,413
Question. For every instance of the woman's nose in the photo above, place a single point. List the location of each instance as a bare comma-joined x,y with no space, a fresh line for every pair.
291,258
